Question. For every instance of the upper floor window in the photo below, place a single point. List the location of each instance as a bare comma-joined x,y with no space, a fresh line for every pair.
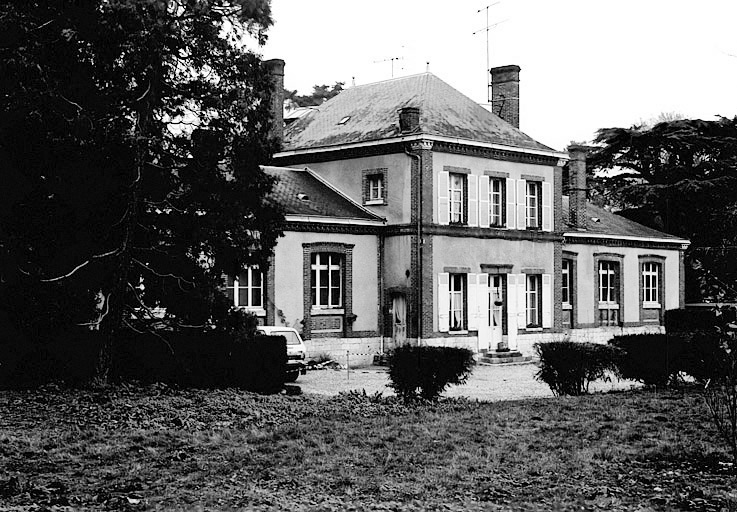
496,202
374,186
533,211
246,290
326,277
456,195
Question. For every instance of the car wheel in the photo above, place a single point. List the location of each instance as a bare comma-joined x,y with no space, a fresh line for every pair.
292,376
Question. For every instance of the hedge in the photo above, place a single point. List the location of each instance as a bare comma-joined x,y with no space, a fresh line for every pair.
425,372
568,367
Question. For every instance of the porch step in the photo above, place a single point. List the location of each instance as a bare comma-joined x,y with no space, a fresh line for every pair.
511,356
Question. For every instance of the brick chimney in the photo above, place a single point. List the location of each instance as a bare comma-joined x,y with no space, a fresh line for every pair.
275,69
409,119
577,188
505,93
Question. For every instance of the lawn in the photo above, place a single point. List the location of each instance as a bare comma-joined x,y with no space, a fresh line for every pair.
156,448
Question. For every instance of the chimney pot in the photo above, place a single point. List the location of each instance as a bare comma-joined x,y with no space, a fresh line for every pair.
409,119
577,187
275,69
505,93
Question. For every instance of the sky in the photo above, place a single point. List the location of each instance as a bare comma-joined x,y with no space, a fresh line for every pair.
585,64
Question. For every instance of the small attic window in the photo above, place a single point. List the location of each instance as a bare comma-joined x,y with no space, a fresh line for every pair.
344,120
303,197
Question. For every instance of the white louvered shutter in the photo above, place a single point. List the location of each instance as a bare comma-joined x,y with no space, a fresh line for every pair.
511,203
547,206
547,301
483,299
521,204
473,200
443,202
484,201
521,301
512,311
443,302
473,303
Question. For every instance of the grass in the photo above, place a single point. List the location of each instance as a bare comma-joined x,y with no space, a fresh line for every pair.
156,448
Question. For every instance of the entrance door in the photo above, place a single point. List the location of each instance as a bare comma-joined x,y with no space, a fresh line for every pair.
399,315
496,309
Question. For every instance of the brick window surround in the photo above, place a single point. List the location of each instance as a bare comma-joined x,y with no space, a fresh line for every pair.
372,175
336,322
609,313
652,312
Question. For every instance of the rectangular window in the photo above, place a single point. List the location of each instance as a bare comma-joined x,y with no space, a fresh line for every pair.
456,197
607,277
246,290
533,212
533,300
650,283
457,302
496,202
565,288
327,280
376,187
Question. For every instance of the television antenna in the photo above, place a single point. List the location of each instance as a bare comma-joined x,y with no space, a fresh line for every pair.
391,59
486,29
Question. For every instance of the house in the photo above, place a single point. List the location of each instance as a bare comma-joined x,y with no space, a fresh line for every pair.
414,214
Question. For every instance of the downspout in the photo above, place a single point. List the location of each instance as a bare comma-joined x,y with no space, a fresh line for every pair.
419,245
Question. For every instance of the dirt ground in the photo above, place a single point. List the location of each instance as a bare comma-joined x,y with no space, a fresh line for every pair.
487,383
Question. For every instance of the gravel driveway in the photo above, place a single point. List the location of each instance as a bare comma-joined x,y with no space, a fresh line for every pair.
487,382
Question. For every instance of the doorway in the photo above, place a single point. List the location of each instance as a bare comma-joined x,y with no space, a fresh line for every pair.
399,319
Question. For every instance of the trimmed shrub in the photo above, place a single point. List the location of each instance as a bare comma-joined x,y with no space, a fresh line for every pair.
689,320
429,370
653,359
568,367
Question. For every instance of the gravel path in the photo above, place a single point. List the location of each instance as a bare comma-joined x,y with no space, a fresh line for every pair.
487,383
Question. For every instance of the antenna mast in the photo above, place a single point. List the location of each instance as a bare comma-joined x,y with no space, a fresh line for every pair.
392,59
486,29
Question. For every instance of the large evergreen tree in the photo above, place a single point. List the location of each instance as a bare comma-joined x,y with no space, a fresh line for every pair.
679,176
131,133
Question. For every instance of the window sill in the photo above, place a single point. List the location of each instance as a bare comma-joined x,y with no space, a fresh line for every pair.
457,333
375,202
650,305
567,306
534,329
608,305
326,311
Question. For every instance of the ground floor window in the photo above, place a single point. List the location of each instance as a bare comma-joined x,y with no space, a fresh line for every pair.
326,278
608,304
457,290
246,290
533,300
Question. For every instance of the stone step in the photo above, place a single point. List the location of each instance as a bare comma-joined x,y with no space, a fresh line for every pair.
505,360
508,353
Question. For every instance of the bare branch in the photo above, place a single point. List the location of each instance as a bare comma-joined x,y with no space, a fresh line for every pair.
68,274
103,315
178,278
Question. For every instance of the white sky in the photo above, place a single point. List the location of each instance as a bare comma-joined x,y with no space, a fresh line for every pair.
586,64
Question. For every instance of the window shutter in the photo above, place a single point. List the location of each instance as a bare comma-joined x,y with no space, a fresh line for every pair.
512,310
522,301
484,201
547,301
483,298
521,204
443,203
443,302
547,206
473,200
511,203
473,303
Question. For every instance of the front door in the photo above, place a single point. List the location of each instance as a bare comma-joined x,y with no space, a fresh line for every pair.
496,309
399,320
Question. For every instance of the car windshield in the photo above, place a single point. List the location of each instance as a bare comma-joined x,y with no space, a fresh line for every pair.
291,336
